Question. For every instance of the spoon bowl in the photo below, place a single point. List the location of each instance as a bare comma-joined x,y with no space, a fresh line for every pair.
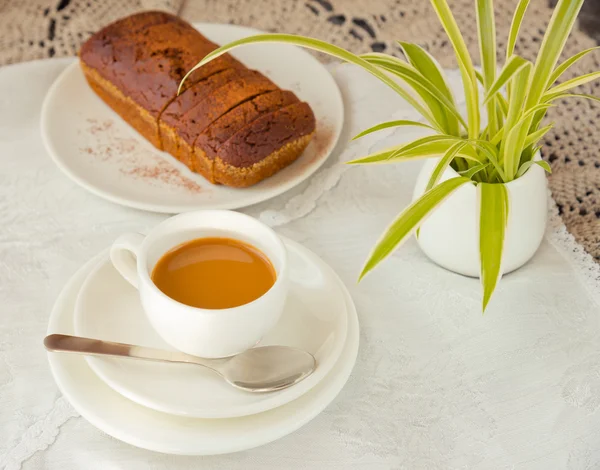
268,368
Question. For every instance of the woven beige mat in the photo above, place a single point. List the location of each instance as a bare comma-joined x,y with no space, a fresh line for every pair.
38,28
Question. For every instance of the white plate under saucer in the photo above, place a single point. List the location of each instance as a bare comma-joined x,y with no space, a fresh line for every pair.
314,319
93,146
139,426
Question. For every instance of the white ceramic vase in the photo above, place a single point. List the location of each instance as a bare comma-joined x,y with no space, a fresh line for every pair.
450,235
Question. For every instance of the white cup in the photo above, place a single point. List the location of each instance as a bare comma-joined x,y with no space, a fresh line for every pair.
202,332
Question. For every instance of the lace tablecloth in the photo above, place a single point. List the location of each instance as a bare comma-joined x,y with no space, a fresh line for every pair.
436,385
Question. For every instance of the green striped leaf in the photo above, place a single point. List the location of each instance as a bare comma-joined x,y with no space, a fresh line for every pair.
487,53
498,137
382,156
573,83
528,164
499,115
437,149
426,147
510,69
465,64
538,117
503,103
474,170
528,155
443,164
433,98
562,68
421,60
559,28
515,142
387,125
534,137
515,26
512,142
487,40
491,153
479,77
493,218
430,144
426,140
409,220
428,67
483,133
556,96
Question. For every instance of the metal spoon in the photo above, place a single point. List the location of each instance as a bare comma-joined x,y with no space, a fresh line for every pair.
264,369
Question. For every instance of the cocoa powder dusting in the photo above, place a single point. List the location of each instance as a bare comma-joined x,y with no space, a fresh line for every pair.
132,158
321,144
323,140
162,171
99,126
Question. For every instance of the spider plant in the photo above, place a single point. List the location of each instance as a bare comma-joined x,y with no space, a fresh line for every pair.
514,102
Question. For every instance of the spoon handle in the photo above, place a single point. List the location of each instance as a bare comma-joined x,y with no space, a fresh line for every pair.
96,347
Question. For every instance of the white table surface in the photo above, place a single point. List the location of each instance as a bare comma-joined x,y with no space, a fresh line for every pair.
436,385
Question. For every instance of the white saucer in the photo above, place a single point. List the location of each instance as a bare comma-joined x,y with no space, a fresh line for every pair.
315,320
93,146
132,423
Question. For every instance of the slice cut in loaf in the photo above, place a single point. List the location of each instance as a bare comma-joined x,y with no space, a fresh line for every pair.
221,130
187,127
265,146
208,143
173,116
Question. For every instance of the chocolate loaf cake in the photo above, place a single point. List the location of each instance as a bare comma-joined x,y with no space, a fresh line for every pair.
230,124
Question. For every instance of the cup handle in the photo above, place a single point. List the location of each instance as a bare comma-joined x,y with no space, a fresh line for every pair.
123,254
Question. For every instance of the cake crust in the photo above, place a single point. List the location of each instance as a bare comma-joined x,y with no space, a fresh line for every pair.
136,116
221,130
224,173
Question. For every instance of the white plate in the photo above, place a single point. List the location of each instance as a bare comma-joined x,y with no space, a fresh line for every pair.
160,432
314,319
93,146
